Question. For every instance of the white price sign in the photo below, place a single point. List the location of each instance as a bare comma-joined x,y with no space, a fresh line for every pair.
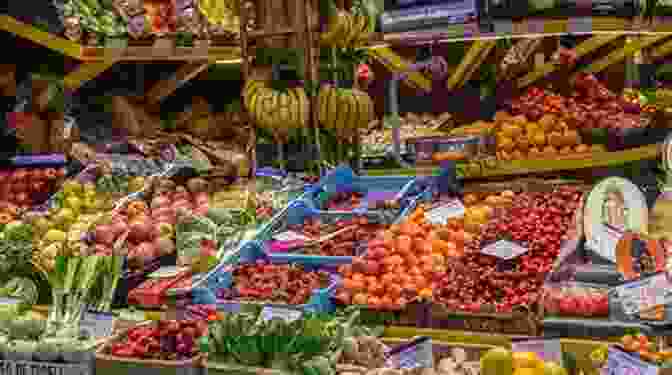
548,350
504,250
290,236
645,294
419,354
98,324
289,315
444,212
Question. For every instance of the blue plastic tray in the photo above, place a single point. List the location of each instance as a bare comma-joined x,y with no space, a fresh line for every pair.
320,301
344,179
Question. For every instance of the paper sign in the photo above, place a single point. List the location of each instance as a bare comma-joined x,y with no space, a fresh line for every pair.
418,355
504,250
97,324
548,350
290,236
6,301
622,363
645,294
445,211
288,315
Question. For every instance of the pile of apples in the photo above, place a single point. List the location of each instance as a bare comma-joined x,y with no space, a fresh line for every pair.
144,232
576,301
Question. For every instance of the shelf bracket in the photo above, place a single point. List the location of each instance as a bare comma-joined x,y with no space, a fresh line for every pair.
43,38
166,87
477,53
395,63
622,53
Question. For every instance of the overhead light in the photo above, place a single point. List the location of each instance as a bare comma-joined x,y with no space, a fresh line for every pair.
229,62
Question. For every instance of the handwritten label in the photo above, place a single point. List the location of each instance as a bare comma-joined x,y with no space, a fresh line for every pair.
504,250
548,350
419,355
289,315
621,363
98,324
290,236
645,294
444,212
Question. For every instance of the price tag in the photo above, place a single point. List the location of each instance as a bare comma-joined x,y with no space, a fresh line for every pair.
418,354
605,241
290,236
7,301
645,294
504,250
622,363
288,315
445,211
98,324
548,350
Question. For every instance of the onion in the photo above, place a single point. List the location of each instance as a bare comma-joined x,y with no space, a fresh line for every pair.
164,246
181,203
168,219
146,250
202,210
163,211
104,234
201,198
100,249
118,228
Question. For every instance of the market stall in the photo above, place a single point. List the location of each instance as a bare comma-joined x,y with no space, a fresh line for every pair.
397,202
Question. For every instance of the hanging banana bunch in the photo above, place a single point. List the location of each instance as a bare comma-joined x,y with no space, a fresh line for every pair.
344,111
350,29
279,112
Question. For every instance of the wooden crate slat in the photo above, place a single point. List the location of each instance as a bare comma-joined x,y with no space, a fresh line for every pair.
397,65
166,87
85,72
582,49
53,42
620,54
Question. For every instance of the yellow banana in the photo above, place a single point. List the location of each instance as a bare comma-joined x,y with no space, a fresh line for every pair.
334,31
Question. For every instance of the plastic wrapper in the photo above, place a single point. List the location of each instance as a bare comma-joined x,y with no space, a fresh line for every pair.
571,299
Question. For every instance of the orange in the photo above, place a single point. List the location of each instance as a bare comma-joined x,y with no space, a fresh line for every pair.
526,360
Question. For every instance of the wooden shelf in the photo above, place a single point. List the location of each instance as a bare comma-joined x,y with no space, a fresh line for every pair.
397,65
153,53
43,38
523,167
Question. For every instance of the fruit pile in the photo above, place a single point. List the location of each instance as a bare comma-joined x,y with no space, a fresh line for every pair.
502,361
359,230
646,349
24,187
576,301
395,270
478,281
277,283
152,292
590,106
168,340
344,201
520,138
480,208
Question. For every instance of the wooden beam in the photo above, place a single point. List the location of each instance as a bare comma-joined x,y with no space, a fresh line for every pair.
477,53
582,49
397,65
84,73
166,87
620,54
40,37
661,51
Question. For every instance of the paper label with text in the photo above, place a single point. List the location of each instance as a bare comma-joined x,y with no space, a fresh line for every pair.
446,211
289,315
98,324
504,250
621,363
546,349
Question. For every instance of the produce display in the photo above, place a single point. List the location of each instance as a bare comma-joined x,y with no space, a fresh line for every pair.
22,188
377,138
168,340
274,283
576,300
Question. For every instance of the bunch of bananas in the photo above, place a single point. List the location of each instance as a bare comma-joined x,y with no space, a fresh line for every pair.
350,29
344,110
277,111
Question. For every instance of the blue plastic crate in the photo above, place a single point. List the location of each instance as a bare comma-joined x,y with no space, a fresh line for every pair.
343,179
320,301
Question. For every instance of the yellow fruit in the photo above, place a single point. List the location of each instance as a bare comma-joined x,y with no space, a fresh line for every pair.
571,138
555,139
72,187
520,119
54,235
539,139
565,150
528,371
552,368
582,149
523,144
506,145
517,155
511,130
526,360
498,361
598,148
533,128
547,122
549,151
534,153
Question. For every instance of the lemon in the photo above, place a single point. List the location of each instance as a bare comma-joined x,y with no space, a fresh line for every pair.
73,202
72,187
527,360
528,370
54,235
552,368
